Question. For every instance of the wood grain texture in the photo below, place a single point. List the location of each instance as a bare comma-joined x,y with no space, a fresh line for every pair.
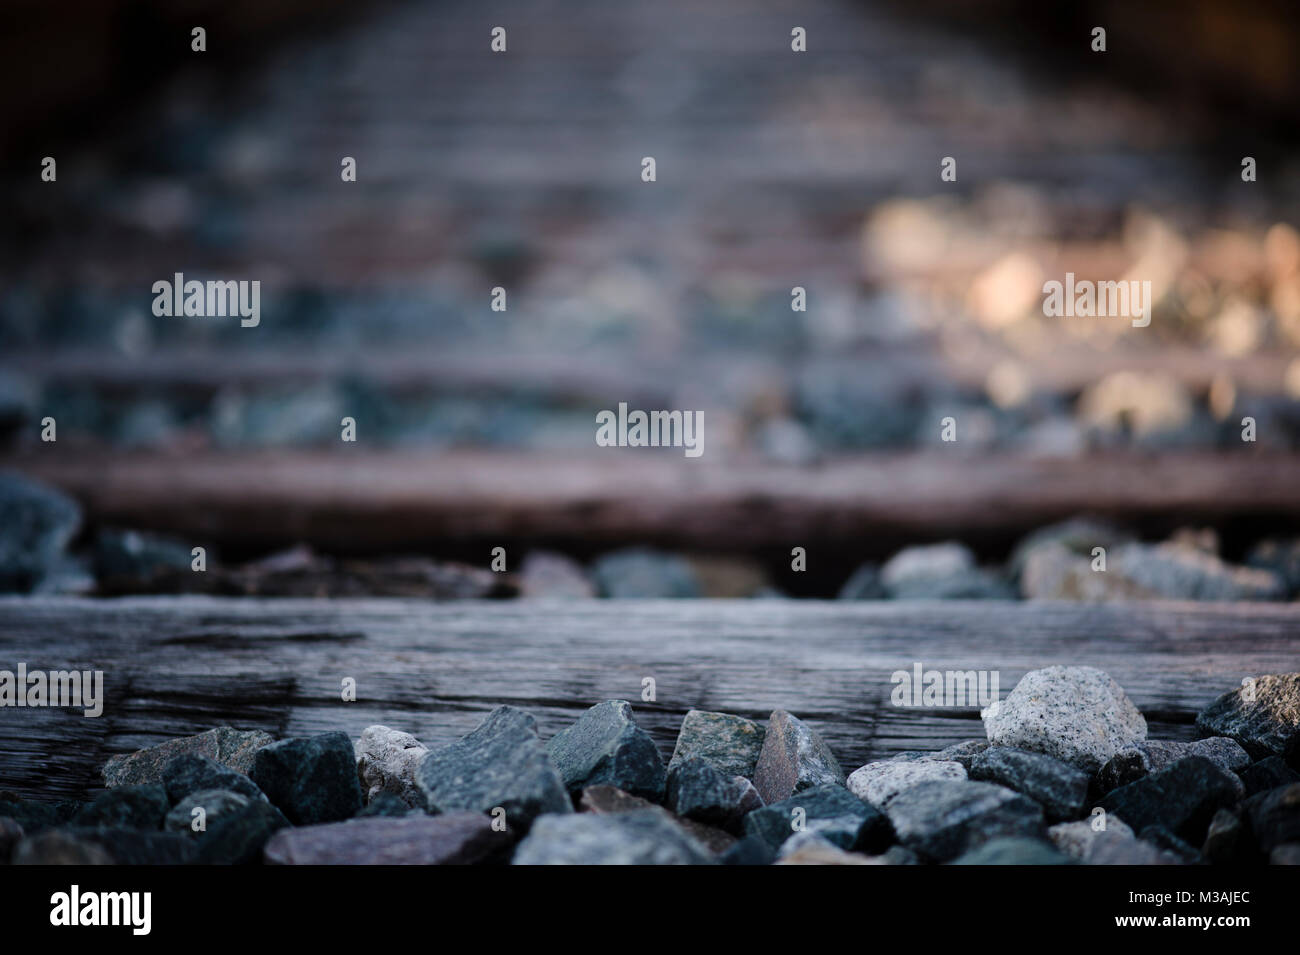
390,500
175,666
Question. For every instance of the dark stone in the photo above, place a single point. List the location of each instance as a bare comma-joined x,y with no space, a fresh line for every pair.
59,847
1268,725
132,560
502,762
36,816
624,838
1288,854
793,759
1141,759
942,819
237,838
731,744
215,803
1267,774
387,805
36,523
1182,797
133,846
608,799
1059,787
831,811
605,747
228,746
1166,841
190,773
455,838
311,779
1226,840
1275,816
863,585
751,850
127,807
11,833
698,791
1014,850
963,752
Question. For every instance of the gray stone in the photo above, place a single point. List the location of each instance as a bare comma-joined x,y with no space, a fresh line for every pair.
751,850
1141,759
1075,714
1282,557
1182,797
11,833
388,805
501,763
698,791
730,744
36,524
548,575
864,584
940,572
640,573
123,846
126,558
1076,536
605,747
1166,841
793,759
629,838
1267,774
812,848
228,746
1129,852
608,799
456,838
215,804
1267,725
1014,850
963,752
881,781
1078,839
942,819
310,779
386,763
1225,839
190,773
830,810
1058,787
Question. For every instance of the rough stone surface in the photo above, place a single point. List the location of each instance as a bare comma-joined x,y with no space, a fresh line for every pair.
1225,839
1078,839
237,837
128,807
386,804
831,811
553,576
456,838
1061,789
628,838
311,779
1076,536
1267,774
1166,841
1014,850
215,804
751,850
132,846
36,816
228,746
609,799
731,744
698,791
1285,855
793,759
1275,817
1268,725
942,819
1129,852
1182,797
639,573
1141,759
1076,714
879,782
133,559
36,523
605,747
189,773
386,763
963,752
501,762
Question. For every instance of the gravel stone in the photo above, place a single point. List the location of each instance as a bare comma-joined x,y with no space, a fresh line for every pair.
942,819
1182,797
793,759
214,802
228,746
628,838
456,838
386,763
1061,789
606,747
1141,759
1268,725
310,779
698,791
731,744
881,781
831,811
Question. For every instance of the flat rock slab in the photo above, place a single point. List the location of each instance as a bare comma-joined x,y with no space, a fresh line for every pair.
456,838
180,665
